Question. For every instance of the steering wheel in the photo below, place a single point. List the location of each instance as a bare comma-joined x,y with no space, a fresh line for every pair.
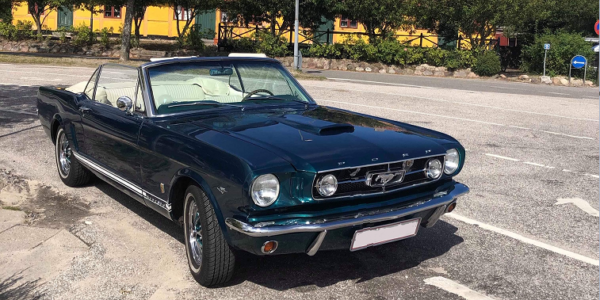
256,92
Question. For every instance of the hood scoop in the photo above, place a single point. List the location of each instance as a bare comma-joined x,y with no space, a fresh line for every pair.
315,126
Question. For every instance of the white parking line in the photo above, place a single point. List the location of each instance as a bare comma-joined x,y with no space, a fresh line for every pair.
501,157
581,204
474,104
415,112
573,136
370,81
555,93
516,236
449,117
455,288
537,165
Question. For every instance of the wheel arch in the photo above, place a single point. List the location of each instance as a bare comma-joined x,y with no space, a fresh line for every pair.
56,122
179,184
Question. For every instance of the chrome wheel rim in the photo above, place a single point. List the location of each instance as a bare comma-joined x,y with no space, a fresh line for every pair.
194,232
64,155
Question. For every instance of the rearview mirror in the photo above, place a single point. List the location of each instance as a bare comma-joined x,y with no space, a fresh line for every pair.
125,104
221,72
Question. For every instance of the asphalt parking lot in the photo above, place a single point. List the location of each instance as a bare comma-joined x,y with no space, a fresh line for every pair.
528,229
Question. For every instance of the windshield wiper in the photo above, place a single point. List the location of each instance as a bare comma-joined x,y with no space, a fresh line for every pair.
178,104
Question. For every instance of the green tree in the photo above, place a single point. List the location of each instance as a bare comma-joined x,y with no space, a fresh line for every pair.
378,16
476,20
540,16
279,14
6,11
39,10
94,7
187,10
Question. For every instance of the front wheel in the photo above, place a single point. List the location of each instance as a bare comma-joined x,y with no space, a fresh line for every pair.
210,259
71,172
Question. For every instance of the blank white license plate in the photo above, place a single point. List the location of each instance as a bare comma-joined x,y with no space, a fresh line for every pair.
384,234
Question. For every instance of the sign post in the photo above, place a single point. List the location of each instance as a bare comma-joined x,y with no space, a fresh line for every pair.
578,62
546,48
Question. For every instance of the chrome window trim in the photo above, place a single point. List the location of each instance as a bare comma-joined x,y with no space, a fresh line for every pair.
312,194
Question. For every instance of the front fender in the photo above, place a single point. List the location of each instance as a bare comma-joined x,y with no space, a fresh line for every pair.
204,185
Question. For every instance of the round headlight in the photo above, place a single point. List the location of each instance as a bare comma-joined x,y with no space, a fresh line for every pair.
327,185
434,169
265,190
451,161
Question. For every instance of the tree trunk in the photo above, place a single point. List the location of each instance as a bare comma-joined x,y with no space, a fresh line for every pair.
38,24
92,25
137,32
126,34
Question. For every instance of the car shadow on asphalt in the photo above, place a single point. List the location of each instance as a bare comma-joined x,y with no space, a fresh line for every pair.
302,272
146,213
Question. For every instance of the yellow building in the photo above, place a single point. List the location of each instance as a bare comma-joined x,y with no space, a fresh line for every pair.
158,21
161,21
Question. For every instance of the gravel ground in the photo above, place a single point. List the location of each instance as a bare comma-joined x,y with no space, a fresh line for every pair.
524,153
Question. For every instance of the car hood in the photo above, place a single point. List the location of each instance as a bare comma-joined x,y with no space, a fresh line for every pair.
322,138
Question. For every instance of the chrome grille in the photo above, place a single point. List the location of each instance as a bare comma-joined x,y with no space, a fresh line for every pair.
353,181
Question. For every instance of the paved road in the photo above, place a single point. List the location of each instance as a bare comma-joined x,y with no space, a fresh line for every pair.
528,230
490,85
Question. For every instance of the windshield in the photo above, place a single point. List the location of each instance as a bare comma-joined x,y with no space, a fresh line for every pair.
203,85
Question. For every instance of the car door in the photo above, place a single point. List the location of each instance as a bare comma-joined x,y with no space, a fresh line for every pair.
110,134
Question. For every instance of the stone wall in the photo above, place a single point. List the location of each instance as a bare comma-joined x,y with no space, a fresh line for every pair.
56,47
350,65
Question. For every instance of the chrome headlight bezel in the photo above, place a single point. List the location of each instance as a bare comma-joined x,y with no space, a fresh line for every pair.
265,190
321,185
430,169
451,161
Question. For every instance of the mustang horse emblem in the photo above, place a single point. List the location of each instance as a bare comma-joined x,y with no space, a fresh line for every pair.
384,178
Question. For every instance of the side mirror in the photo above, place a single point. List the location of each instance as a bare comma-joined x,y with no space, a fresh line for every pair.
125,104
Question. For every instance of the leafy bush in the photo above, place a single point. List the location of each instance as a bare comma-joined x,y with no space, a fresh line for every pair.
105,36
272,46
243,44
563,47
487,64
21,31
8,31
393,52
82,35
193,39
62,33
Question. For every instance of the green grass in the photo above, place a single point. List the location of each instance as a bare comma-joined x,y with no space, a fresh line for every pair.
61,61
9,207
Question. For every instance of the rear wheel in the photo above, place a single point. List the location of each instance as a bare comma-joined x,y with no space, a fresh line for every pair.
71,172
210,258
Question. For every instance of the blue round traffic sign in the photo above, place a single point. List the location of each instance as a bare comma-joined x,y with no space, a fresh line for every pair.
578,62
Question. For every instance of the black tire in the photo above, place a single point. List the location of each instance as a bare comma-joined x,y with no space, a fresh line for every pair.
76,174
217,258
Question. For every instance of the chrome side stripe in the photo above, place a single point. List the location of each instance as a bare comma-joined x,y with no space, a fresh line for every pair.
124,182
88,163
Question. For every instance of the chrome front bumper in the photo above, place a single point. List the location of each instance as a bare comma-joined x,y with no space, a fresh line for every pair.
439,201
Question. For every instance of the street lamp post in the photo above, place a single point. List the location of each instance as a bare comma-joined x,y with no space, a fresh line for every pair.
296,25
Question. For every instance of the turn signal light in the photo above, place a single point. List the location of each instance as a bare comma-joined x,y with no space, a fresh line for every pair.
451,207
269,247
